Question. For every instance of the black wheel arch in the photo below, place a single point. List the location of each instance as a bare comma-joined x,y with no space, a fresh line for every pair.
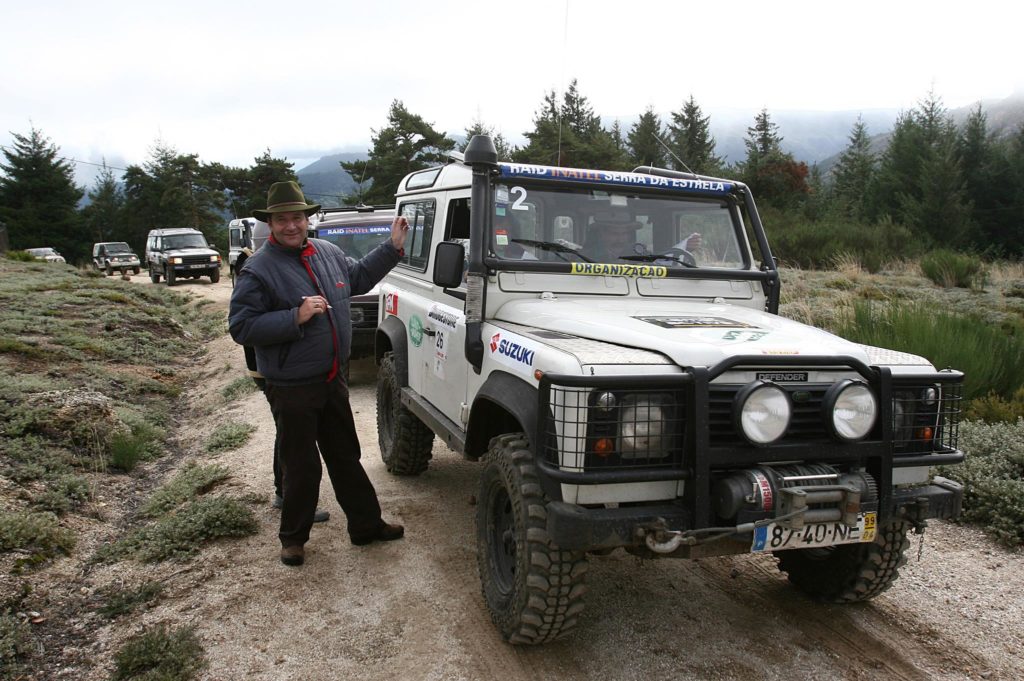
506,404
391,336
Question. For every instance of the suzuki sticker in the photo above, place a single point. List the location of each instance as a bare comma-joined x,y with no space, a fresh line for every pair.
511,350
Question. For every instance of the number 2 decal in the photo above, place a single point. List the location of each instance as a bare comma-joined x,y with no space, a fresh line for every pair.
518,203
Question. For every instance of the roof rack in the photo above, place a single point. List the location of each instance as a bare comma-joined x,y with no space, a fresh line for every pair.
360,208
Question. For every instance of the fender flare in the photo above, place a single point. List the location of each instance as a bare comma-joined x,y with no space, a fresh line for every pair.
391,335
510,394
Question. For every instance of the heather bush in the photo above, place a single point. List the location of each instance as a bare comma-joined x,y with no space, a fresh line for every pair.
949,269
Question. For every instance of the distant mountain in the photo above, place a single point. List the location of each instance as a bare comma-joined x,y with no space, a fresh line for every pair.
326,182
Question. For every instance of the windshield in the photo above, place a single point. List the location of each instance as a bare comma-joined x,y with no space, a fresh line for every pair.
572,224
185,241
119,247
42,251
355,240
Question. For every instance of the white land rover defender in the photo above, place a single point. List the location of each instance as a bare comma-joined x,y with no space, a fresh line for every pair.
651,399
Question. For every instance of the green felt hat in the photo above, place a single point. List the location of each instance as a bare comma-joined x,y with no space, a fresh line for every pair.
285,197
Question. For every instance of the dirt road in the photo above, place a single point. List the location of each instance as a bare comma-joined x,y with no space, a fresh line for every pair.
412,609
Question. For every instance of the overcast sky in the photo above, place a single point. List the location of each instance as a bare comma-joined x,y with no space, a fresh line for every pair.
227,80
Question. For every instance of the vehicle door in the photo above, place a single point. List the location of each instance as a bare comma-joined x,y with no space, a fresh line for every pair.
444,360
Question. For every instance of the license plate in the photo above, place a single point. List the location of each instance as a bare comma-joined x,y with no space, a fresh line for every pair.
197,267
776,538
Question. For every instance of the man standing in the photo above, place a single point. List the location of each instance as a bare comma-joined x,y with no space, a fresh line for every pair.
291,303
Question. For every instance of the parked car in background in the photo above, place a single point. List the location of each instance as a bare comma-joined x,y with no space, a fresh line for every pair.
46,253
115,256
357,230
180,252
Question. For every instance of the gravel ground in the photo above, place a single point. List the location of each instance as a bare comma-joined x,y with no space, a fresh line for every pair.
412,609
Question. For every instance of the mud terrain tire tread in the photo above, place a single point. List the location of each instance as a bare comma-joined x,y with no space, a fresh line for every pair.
540,596
406,444
851,572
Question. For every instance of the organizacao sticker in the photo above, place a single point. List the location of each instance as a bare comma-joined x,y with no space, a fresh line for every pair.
614,270
620,178
511,350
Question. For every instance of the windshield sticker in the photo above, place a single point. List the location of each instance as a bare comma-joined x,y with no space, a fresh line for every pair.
694,322
443,316
354,229
619,270
511,350
620,178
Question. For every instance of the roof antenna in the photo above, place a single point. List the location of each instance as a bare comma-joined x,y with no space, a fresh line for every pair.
669,150
565,40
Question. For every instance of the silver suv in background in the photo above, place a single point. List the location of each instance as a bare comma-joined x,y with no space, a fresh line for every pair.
357,230
46,253
180,252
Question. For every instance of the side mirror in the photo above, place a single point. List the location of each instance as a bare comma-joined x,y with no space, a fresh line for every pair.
449,261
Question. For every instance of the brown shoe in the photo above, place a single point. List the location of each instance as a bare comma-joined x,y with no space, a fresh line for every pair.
293,555
385,532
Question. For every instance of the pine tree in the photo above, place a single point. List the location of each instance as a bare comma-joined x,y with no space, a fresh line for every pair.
645,147
691,141
853,173
501,145
771,173
570,135
39,198
103,215
407,143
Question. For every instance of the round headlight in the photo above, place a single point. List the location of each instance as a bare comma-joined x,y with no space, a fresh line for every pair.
643,428
763,412
929,396
851,409
605,402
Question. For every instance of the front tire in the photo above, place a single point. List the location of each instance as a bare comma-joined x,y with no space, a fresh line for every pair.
849,572
110,270
214,276
405,443
154,276
169,275
533,589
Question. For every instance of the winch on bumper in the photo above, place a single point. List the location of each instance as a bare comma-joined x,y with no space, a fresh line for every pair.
810,487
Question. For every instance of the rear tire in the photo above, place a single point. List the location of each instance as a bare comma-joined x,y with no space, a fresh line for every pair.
849,572
405,442
169,275
533,589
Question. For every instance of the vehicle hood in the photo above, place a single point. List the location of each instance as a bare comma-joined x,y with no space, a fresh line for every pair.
182,252
689,333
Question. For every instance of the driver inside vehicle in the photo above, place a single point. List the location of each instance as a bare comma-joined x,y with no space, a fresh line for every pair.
610,236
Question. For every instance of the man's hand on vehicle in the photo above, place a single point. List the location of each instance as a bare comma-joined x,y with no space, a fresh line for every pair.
399,230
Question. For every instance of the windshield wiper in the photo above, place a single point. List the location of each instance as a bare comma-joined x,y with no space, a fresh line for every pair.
654,257
552,246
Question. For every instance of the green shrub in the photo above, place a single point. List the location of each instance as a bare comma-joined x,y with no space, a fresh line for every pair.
38,534
141,444
240,387
231,435
21,256
160,654
189,483
15,642
949,269
993,478
65,493
123,601
179,534
994,409
817,244
990,360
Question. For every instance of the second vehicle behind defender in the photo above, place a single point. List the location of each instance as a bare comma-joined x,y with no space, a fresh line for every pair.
180,253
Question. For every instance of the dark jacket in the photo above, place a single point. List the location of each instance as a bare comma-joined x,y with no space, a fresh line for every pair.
270,289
